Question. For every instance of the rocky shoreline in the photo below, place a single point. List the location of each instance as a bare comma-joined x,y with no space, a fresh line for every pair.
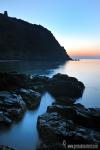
72,123
64,120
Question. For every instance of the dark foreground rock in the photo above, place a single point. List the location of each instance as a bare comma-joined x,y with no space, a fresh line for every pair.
59,85
54,128
31,98
20,91
69,123
2,147
52,146
4,119
79,114
64,86
12,81
12,107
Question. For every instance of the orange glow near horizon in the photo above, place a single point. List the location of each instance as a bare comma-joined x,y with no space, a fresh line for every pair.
85,52
79,46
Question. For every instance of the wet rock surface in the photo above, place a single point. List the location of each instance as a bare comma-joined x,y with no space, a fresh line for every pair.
18,90
14,80
58,85
2,147
31,98
54,127
64,120
16,96
4,119
51,146
64,86
79,114
12,107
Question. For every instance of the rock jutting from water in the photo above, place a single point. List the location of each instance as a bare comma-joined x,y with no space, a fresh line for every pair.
19,92
31,98
65,120
64,86
12,107
71,124
2,147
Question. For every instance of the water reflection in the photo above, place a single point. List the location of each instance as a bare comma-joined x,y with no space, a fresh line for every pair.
24,135
87,71
29,67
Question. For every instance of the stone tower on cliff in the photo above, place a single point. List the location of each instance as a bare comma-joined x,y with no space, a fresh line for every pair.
5,13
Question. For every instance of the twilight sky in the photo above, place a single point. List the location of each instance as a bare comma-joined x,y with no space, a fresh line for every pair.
74,23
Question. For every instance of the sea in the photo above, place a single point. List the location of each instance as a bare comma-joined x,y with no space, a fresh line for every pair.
23,135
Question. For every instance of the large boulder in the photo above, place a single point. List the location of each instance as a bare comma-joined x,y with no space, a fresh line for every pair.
51,126
12,107
59,85
39,83
31,98
71,124
88,117
54,128
13,80
78,113
63,110
62,85
11,100
58,129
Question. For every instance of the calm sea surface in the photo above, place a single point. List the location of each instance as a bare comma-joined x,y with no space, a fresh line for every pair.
24,135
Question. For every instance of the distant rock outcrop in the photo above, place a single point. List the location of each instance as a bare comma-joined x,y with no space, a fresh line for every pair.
25,41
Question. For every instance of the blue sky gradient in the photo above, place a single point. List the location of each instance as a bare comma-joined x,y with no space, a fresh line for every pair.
74,23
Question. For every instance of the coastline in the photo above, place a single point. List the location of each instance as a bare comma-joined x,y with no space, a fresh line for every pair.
21,84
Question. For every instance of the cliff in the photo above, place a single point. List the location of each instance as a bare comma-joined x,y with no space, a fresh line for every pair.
25,41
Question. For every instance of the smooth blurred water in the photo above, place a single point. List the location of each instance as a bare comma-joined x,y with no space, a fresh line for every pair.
87,71
29,67
24,135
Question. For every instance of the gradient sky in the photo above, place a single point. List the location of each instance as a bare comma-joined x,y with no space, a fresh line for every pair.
74,23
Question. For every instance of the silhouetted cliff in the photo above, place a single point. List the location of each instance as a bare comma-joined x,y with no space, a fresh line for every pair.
25,41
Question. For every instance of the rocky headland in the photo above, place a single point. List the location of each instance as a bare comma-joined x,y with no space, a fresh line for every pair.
20,40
